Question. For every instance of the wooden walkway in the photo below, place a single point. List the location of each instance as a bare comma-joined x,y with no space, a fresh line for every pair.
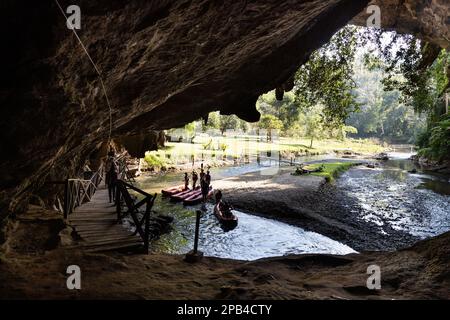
96,223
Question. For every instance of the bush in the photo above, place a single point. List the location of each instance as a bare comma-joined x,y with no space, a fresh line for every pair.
154,161
330,170
434,143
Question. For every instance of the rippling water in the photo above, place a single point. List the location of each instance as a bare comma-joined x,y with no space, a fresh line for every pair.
156,182
387,197
417,203
254,237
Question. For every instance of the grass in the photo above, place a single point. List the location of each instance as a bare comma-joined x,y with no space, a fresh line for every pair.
218,147
331,170
155,161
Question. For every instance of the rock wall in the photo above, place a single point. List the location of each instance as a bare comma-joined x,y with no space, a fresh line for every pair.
164,63
426,19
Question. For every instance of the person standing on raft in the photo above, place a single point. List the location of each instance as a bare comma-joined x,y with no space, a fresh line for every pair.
194,179
206,181
186,181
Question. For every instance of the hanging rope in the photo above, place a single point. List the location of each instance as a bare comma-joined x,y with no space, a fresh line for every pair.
96,69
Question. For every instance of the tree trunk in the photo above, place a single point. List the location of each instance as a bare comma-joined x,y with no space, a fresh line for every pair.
311,144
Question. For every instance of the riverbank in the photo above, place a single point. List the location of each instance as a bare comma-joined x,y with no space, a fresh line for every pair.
216,151
442,167
33,265
309,202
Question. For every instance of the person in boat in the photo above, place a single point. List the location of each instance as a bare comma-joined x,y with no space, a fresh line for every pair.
111,176
219,202
186,181
223,207
194,179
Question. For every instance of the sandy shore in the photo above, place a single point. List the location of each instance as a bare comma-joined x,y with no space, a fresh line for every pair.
34,259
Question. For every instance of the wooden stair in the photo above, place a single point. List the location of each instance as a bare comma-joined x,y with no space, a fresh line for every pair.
96,224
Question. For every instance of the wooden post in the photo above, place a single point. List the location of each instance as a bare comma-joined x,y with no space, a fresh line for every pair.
118,208
147,226
197,230
66,198
195,255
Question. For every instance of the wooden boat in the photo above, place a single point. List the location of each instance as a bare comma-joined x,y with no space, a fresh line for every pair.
226,222
196,197
172,190
184,194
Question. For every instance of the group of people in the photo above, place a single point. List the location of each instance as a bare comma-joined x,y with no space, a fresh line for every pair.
205,181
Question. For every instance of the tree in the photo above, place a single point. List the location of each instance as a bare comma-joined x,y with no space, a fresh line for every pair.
286,110
327,78
314,128
344,130
213,122
270,122
228,123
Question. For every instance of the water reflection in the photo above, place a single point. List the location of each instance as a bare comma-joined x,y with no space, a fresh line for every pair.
390,196
255,237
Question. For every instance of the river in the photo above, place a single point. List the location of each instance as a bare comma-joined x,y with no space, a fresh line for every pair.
389,196
386,198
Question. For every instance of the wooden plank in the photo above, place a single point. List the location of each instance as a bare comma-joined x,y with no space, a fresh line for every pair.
123,238
119,237
82,219
112,242
96,224
114,247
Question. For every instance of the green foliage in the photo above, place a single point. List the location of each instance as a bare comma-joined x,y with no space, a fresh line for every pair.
385,75
228,123
329,171
382,114
286,110
270,123
327,78
207,145
154,161
223,146
344,130
314,127
213,121
435,142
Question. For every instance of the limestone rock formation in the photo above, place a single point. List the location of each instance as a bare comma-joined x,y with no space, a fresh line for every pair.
164,63
426,19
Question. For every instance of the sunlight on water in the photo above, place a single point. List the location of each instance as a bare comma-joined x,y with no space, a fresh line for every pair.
415,203
254,238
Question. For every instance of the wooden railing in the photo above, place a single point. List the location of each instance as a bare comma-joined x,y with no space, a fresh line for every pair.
123,197
124,171
79,191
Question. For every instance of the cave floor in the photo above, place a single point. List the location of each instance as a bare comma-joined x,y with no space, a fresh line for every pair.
34,260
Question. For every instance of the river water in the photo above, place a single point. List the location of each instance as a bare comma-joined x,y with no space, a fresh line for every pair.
254,238
387,197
